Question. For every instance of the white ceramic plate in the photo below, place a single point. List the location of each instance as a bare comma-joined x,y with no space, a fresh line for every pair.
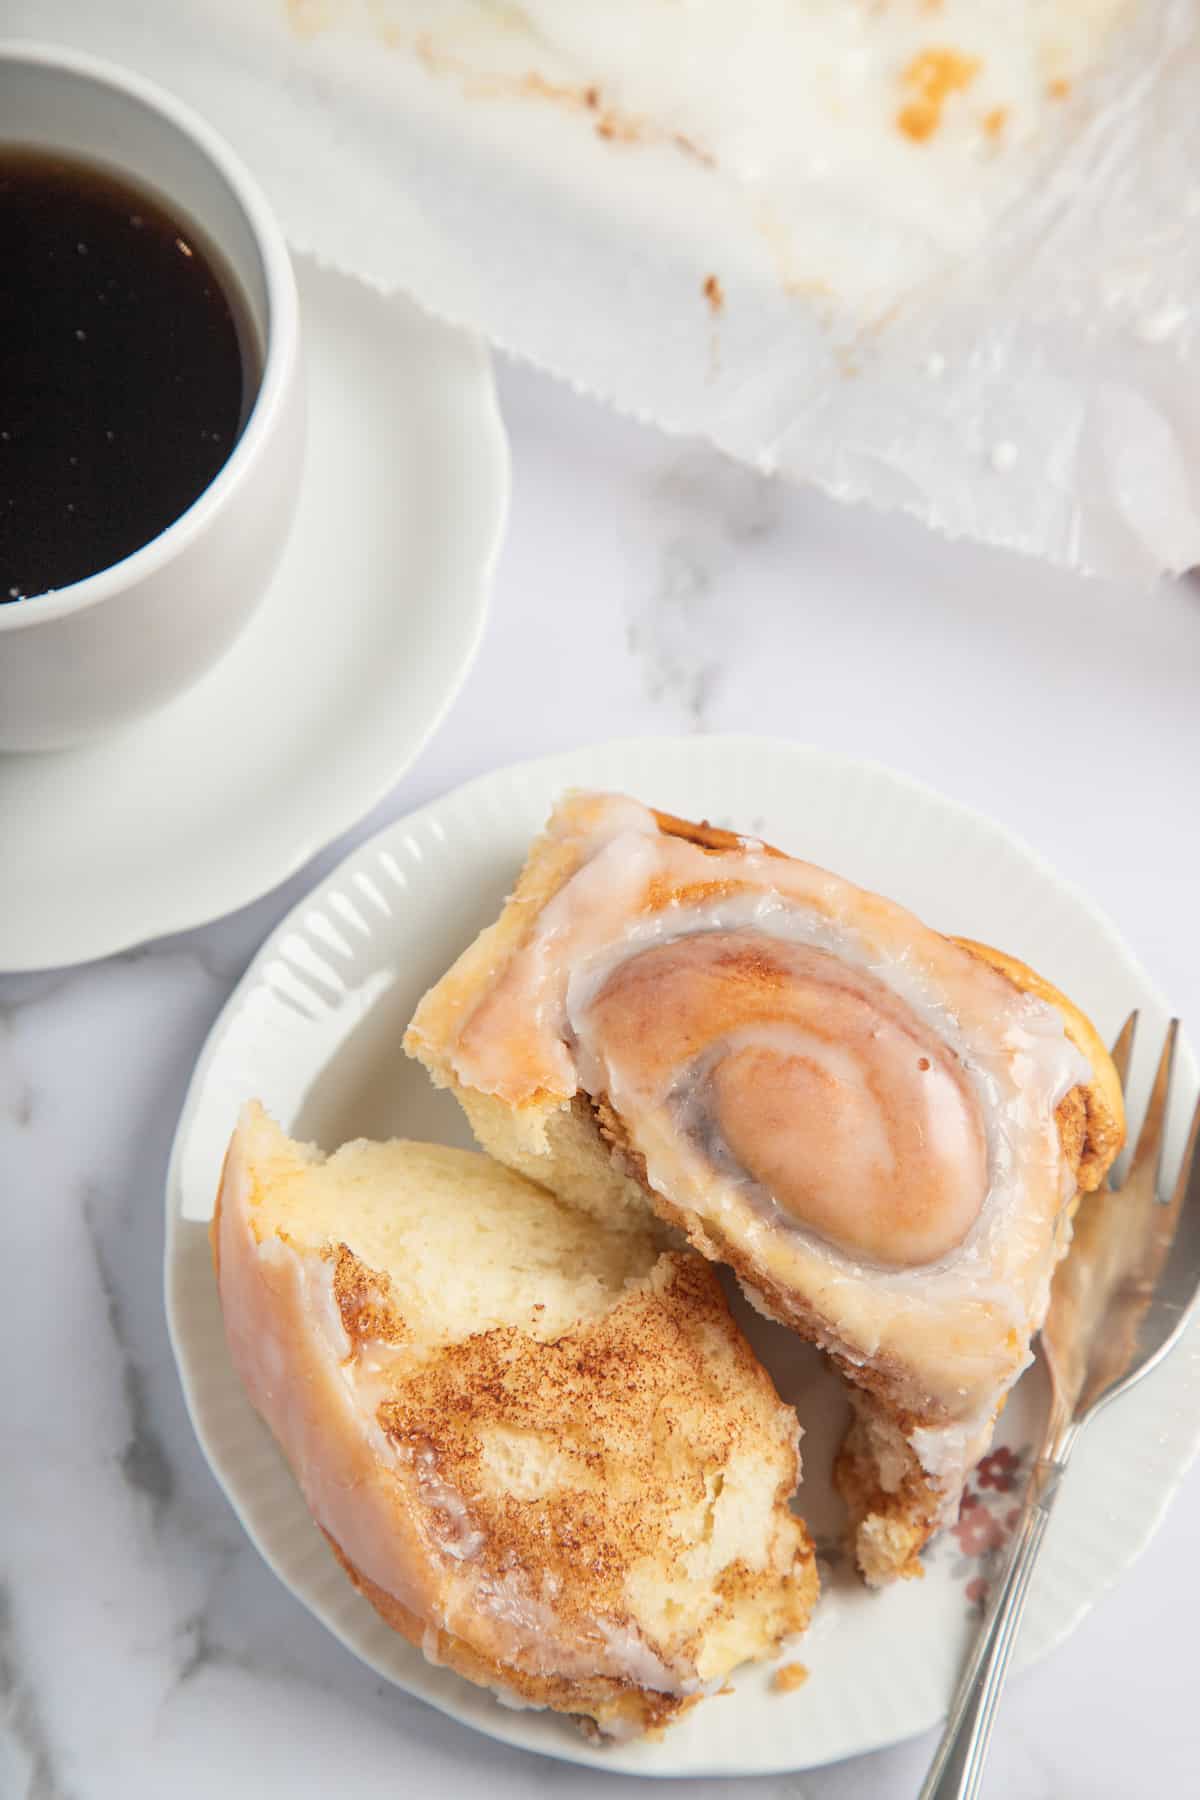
356,652
314,1029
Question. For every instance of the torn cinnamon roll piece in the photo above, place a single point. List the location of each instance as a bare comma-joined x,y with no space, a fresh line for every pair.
540,1448
882,1130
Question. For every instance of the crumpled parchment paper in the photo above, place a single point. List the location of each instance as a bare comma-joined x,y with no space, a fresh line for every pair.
943,257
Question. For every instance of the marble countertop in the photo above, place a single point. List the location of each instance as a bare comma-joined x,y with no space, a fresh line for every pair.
646,586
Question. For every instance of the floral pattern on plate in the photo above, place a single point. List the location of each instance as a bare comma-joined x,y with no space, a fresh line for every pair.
987,1518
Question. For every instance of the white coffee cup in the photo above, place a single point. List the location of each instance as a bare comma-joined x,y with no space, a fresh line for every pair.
81,659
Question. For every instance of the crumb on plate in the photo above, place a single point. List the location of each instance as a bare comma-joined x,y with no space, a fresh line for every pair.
789,1677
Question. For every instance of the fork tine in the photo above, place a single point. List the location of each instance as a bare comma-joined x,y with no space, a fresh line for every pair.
1147,1157
1122,1049
1175,1241
1190,1164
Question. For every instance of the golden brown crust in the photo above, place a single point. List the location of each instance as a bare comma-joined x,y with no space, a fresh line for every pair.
268,1324
1104,1104
619,1708
708,837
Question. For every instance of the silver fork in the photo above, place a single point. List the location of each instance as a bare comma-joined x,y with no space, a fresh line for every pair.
1120,1301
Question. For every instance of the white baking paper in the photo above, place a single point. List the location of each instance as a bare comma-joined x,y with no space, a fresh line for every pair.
941,255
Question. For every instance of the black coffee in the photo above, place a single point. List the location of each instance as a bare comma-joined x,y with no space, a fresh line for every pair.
127,369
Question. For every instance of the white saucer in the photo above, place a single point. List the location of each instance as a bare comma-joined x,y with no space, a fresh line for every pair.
323,702
315,1028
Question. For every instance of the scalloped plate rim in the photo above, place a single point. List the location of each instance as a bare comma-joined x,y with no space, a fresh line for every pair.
561,769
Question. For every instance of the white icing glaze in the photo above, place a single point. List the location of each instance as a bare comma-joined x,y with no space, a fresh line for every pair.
958,1327
948,1452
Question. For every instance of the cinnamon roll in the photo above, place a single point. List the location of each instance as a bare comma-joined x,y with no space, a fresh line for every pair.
882,1130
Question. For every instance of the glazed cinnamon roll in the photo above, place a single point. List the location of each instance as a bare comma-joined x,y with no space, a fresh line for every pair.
882,1130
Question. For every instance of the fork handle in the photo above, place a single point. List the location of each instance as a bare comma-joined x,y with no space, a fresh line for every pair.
958,1766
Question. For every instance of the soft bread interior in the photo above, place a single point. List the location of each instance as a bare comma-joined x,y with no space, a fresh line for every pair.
466,1244
538,1444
